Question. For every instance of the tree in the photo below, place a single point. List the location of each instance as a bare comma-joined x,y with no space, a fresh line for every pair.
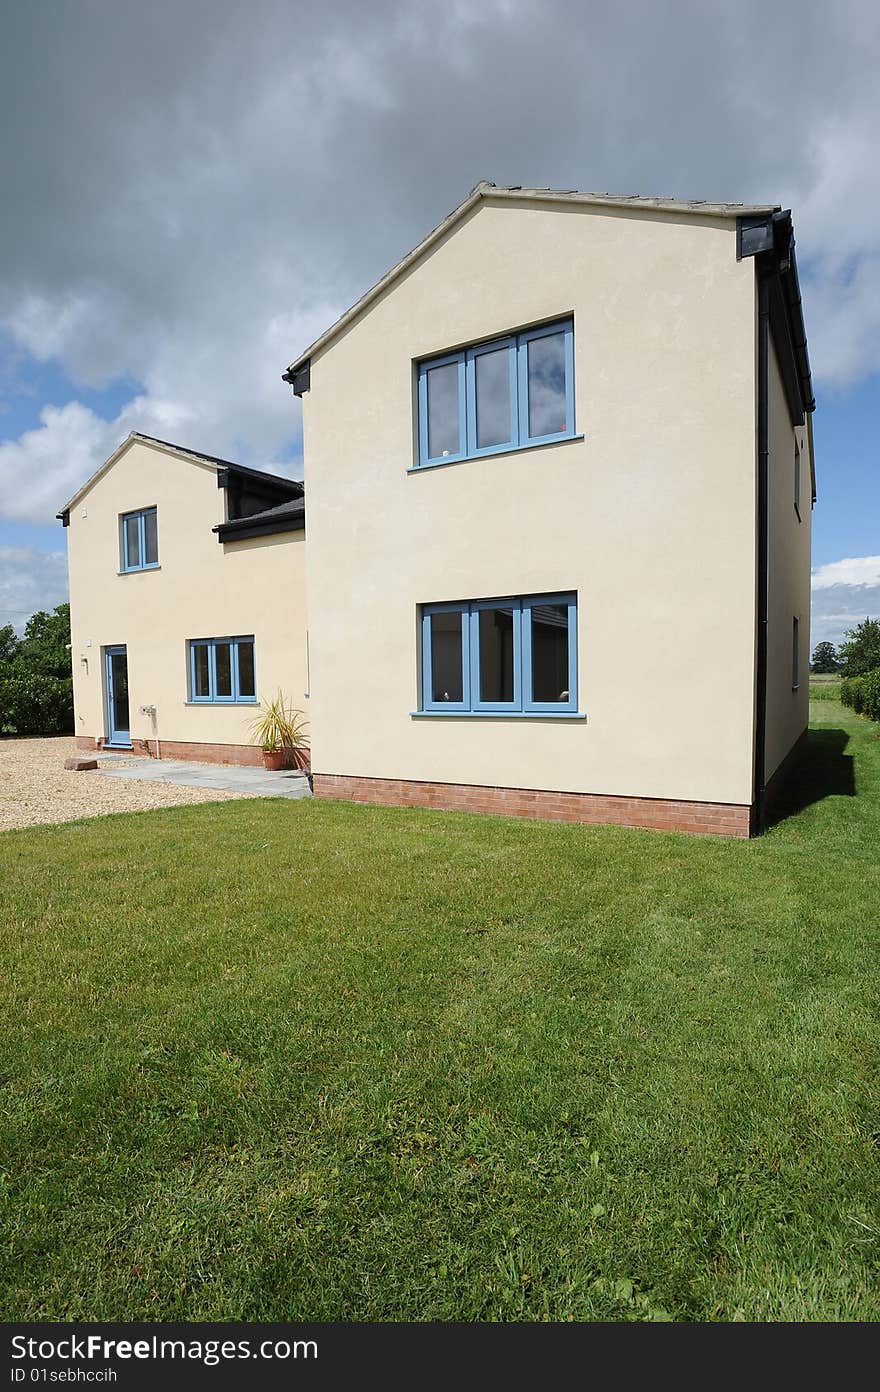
861,652
8,643
825,658
45,647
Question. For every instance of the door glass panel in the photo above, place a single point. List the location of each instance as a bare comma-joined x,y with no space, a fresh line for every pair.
550,678
446,673
224,669
151,539
201,680
246,685
496,654
132,543
444,421
492,372
119,680
547,385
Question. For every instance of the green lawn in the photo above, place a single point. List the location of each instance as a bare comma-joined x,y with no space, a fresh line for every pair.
281,1060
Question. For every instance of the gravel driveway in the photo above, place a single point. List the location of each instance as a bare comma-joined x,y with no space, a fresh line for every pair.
35,787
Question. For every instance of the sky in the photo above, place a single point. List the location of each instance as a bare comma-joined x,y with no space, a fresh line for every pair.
194,189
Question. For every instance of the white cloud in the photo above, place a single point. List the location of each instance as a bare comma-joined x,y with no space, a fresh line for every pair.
30,580
855,570
844,593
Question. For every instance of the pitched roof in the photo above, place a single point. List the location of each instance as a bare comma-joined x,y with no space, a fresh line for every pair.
186,453
485,190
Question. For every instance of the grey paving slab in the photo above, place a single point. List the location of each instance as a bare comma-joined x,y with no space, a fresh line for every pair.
255,782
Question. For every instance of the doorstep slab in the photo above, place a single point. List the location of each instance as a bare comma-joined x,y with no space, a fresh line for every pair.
256,782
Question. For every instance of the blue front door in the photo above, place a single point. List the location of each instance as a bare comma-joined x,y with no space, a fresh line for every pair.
118,731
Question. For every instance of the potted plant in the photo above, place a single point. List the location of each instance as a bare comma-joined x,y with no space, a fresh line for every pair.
280,731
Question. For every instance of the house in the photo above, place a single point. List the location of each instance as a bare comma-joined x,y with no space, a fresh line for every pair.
188,601
560,479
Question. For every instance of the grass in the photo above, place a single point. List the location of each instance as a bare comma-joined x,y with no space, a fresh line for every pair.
825,686
280,1060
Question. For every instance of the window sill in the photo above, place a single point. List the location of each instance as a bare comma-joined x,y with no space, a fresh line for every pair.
574,716
245,701
493,454
139,570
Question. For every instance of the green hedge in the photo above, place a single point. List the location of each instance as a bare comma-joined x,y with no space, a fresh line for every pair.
34,704
862,694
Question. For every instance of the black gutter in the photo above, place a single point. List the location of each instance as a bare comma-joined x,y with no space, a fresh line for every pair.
299,378
763,551
233,531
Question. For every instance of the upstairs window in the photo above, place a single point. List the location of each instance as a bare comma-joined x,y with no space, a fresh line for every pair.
795,655
139,540
500,656
797,479
506,394
221,670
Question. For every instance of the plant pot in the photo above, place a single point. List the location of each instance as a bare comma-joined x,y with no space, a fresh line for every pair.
274,759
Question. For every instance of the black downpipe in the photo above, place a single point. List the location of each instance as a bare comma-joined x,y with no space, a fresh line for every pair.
762,546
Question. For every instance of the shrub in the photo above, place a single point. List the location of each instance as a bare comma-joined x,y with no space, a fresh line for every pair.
34,704
862,694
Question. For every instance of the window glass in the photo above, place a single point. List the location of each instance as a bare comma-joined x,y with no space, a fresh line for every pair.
446,667
546,370
223,661
151,538
246,685
550,678
496,654
444,421
492,372
200,670
132,541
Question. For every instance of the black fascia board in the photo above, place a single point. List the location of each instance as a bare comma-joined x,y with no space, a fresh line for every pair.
64,517
227,475
233,531
770,239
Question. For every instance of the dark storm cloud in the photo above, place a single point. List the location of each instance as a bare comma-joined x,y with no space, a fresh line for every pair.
193,190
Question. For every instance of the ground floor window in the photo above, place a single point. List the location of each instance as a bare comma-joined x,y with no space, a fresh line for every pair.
514,656
222,670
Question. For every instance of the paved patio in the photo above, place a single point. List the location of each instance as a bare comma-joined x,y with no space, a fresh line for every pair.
230,778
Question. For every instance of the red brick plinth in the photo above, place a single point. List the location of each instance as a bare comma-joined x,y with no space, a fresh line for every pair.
656,814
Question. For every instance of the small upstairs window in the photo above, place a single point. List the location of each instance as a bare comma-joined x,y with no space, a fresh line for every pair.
139,540
797,479
795,655
502,395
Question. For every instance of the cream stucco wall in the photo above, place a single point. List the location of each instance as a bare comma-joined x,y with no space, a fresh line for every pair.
650,517
202,589
788,578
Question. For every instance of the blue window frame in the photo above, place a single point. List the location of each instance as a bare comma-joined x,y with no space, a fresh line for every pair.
139,540
510,656
506,394
222,671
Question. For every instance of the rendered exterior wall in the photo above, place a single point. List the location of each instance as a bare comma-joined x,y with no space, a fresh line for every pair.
202,589
788,578
650,518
